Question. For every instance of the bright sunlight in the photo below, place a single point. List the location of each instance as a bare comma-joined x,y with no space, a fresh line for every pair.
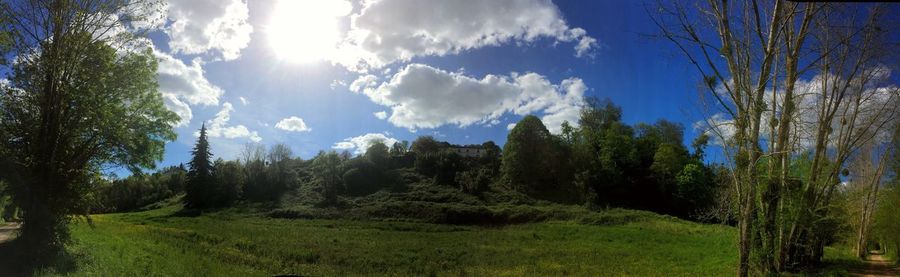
305,31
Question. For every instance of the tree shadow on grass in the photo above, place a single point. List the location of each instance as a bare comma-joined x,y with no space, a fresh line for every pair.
14,263
241,208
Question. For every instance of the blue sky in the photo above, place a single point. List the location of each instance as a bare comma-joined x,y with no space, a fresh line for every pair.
610,57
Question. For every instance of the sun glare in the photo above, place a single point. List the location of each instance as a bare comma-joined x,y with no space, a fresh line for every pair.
305,31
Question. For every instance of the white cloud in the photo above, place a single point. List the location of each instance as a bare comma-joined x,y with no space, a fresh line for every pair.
243,100
387,31
218,126
337,83
421,96
877,105
360,144
186,81
198,26
381,114
363,82
510,126
293,124
182,84
585,46
178,107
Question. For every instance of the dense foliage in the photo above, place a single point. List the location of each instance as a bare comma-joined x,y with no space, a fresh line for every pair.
80,96
602,163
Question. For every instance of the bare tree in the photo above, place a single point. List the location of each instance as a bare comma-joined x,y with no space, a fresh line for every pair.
753,57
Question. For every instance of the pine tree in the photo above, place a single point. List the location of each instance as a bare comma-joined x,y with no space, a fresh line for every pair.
199,190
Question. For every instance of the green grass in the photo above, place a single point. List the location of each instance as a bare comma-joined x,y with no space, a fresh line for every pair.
155,243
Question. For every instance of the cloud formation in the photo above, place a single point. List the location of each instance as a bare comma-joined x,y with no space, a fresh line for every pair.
218,126
878,100
363,82
199,26
360,144
182,84
293,124
421,96
387,31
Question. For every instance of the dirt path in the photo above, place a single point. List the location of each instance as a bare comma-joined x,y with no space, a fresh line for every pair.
8,231
876,265
7,265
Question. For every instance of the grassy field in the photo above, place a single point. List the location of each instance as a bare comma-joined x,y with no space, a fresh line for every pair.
157,243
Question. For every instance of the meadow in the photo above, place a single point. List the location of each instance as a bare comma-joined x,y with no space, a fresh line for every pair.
162,243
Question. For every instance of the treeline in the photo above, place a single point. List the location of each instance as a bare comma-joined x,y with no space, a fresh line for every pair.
602,163
139,190
605,162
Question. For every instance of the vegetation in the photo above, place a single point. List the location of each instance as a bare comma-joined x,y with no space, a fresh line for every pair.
810,176
78,98
789,142
229,243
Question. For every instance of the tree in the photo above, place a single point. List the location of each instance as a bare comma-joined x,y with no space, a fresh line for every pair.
752,59
425,145
327,172
694,187
525,155
668,162
78,98
280,173
229,181
253,156
399,148
199,189
425,149
378,154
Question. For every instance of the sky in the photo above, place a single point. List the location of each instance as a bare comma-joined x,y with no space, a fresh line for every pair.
323,75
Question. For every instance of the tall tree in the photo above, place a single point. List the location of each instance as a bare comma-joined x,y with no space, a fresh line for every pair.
326,168
525,155
378,154
752,56
80,96
199,190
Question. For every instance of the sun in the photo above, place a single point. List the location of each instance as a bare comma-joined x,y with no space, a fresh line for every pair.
305,31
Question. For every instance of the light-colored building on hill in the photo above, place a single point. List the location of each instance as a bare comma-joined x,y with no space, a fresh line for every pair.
468,152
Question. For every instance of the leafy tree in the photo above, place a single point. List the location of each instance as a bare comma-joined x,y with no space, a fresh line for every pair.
229,181
425,149
326,168
605,154
695,186
525,155
491,158
378,154
199,190
362,178
699,146
280,172
74,103
256,180
399,148
667,163
887,219
447,164
425,145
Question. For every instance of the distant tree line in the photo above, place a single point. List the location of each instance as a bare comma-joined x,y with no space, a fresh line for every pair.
601,163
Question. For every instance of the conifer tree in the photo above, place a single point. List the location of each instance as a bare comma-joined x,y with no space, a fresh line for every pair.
199,187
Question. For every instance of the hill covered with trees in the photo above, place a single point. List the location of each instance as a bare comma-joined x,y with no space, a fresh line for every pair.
603,163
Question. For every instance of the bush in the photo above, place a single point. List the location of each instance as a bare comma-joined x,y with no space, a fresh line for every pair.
363,177
474,181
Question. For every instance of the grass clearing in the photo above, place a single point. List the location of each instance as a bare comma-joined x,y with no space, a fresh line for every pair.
155,243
